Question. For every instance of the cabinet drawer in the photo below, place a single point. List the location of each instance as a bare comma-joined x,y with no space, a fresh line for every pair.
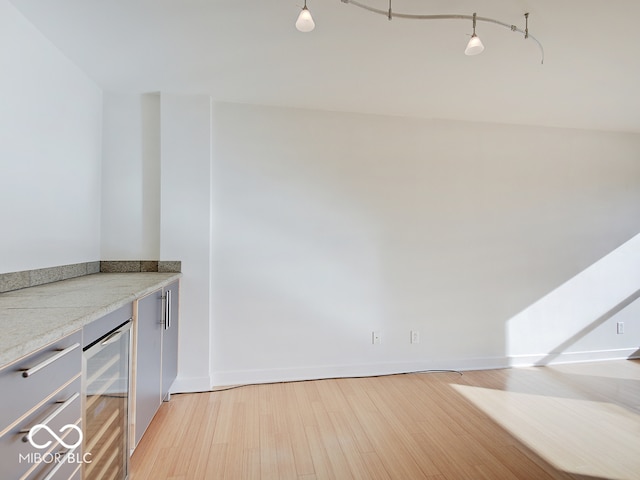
18,455
47,369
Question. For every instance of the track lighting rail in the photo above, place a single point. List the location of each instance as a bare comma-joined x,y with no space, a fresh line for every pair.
390,14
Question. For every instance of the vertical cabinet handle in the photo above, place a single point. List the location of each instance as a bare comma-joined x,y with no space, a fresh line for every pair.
167,310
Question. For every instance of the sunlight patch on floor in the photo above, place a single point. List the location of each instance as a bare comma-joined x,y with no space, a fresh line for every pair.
624,369
578,436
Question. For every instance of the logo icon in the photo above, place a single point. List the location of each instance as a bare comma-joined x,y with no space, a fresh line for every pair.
41,426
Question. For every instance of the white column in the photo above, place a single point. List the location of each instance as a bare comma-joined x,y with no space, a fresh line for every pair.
185,219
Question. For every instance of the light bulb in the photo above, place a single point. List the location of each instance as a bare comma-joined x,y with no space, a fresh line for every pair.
475,46
305,23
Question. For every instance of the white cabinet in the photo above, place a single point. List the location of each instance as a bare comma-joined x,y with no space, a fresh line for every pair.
156,352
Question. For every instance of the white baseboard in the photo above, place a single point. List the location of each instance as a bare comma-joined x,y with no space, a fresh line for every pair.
242,377
191,384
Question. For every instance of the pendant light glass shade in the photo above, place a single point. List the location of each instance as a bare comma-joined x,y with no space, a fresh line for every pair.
305,22
475,46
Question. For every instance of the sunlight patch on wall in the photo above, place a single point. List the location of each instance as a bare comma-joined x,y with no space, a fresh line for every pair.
557,322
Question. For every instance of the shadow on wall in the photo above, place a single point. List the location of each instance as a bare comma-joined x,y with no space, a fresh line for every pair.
557,327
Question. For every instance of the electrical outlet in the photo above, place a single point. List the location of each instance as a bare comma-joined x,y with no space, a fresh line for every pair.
620,328
375,338
415,336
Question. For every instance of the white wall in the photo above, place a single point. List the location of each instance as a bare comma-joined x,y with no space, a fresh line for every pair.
328,226
185,226
131,177
50,123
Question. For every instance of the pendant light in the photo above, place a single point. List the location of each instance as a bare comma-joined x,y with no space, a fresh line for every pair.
305,22
475,46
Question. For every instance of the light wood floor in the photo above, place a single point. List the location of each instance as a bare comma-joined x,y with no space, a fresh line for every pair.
577,421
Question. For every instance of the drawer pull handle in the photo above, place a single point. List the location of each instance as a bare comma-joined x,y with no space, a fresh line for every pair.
59,465
51,416
26,373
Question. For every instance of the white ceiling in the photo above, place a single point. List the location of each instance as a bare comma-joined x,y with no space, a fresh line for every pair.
249,51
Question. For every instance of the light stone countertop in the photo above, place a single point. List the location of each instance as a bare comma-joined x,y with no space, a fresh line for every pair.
34,317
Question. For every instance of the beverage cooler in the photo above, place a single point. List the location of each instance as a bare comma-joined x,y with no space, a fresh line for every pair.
106,375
